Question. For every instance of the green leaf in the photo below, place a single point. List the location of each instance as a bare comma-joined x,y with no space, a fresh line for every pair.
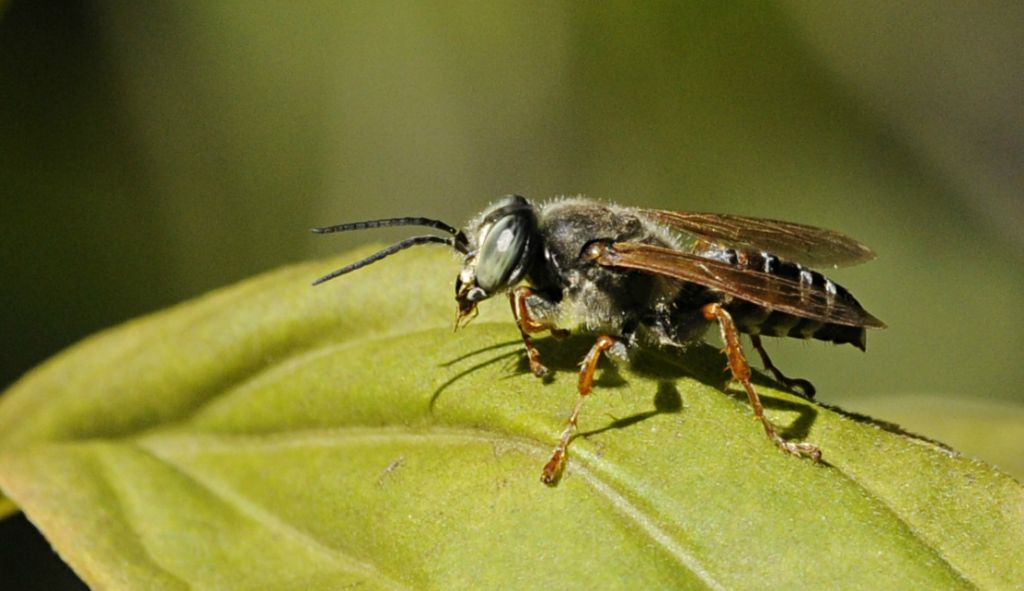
7,507
277,436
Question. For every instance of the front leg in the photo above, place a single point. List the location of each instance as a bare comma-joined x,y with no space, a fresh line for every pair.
528,324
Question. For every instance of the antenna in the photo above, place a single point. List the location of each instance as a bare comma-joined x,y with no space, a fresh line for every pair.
373,258
460,243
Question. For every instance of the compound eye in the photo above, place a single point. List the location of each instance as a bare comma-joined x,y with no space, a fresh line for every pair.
502,251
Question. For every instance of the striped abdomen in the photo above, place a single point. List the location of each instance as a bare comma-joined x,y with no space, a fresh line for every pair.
754,319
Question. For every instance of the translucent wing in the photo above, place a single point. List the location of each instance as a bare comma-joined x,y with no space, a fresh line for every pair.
770,291
807,245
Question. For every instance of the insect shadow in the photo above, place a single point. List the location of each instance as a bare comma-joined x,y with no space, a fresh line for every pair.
563,355
707,365
698,361
701,361
475,367
667,400
560,355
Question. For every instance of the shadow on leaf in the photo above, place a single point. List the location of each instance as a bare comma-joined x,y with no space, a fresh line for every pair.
667,400
469,370
699,361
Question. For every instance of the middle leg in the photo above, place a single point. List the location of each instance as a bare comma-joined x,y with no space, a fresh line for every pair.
553,469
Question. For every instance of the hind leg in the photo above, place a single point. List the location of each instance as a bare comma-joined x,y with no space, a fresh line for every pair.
806,388
741,372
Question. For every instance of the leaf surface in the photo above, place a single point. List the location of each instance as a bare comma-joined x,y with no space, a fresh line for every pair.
280,436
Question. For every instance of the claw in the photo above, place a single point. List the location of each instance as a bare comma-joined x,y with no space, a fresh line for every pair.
803,450
553,469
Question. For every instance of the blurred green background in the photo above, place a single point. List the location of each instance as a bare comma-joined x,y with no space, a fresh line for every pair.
152,151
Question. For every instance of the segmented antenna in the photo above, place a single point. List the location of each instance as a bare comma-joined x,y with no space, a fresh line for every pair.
387,222
373,258
457,241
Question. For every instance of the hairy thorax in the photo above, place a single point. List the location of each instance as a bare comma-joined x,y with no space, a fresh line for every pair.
590,297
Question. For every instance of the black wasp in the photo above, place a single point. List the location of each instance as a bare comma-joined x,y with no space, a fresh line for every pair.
633,276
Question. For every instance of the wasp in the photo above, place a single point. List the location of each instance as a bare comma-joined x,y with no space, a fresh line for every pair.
633,277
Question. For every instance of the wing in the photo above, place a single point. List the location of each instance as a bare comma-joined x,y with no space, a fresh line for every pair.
770,291
807,245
